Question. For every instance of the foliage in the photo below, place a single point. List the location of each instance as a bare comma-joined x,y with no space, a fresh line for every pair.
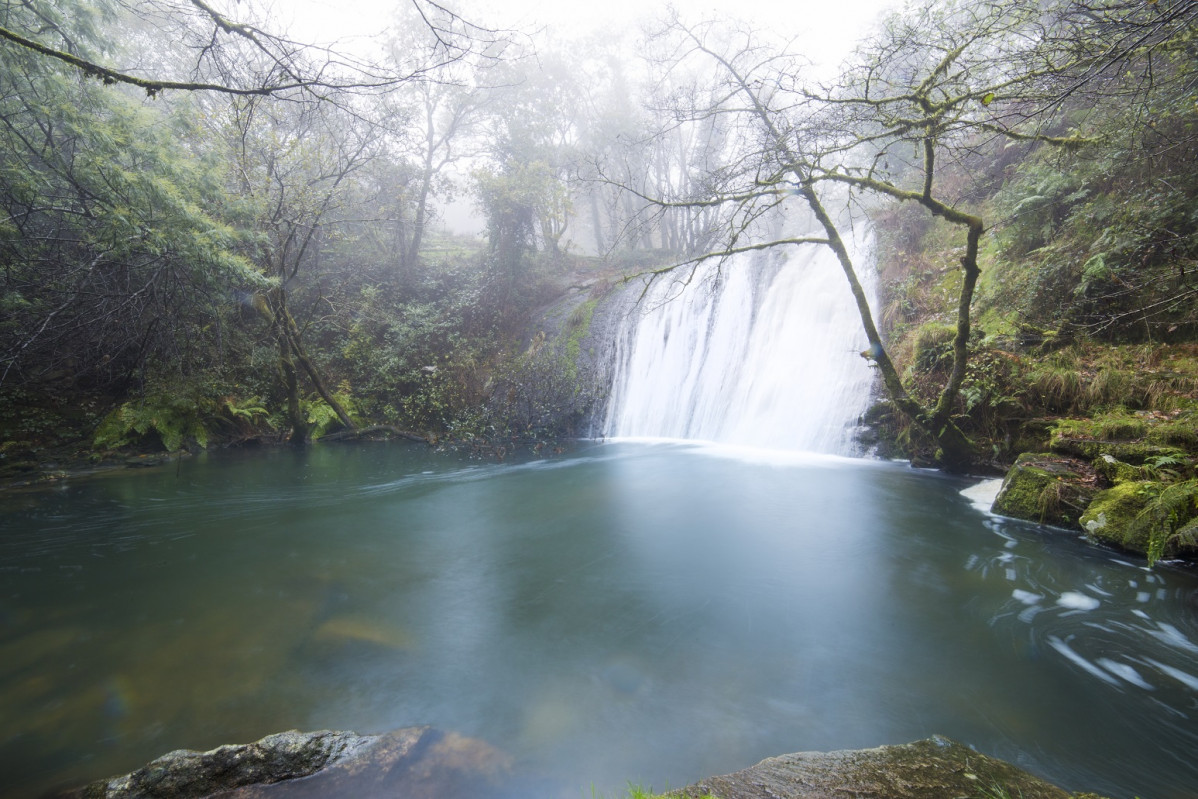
175,419
114,251
1157,519
323,418
1104,239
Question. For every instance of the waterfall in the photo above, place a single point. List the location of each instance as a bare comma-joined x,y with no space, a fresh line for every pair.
761,350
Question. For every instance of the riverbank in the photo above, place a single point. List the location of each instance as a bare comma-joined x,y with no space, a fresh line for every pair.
1101,439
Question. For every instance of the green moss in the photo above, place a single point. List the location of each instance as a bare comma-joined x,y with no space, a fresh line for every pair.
578,326
1116,471
1129,437
1152,518
933,345
1110,515
1176,432
1112,426
1046,489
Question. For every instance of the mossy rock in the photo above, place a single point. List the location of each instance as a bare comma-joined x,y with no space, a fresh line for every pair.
1046,488
410,762
1111,515
1180,432
1032,435
1148,517
1130,437
1134,452
1116,471
936,768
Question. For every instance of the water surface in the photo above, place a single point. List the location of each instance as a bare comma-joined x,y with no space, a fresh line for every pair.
652,613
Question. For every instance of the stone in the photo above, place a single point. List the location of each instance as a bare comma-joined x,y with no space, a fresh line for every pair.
413,762
1121,516
424,763
935,768
1047,489
1134,452
1115,470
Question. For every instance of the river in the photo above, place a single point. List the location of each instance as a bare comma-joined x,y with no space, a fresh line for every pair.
644,612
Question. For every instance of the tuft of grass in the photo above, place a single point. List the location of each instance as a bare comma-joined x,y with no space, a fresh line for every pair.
997,791
1060,386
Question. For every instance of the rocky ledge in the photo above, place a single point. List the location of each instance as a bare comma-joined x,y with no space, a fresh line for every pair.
423,763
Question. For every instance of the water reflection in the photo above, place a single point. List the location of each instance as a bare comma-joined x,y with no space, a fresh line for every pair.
652,613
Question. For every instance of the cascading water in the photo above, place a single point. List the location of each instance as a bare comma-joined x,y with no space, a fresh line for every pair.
760,351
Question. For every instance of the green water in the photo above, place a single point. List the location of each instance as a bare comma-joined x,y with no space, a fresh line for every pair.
644,613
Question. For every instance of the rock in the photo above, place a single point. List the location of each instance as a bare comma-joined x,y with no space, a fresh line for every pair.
1048,489
1116,471
1147,517
936,768
1089,448
414,762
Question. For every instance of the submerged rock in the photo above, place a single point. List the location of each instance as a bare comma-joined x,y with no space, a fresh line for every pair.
413,762
936,768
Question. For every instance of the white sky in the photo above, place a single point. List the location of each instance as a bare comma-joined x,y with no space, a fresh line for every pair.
825,29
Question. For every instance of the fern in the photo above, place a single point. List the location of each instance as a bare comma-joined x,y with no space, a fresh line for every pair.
1169,520
173,419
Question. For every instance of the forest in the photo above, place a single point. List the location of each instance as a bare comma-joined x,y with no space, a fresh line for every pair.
216,234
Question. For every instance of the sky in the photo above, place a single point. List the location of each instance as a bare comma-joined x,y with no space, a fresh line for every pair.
825,30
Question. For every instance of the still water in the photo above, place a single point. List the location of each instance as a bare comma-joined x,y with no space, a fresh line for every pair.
652,613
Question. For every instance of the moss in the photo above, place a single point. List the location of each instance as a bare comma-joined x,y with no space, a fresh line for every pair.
1180,431
1116,471
1112,426
579,326
1111,515
1129,437
1148,517
936,767
1045,488
933,345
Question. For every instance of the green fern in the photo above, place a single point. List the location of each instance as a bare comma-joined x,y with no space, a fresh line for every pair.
173,419
1169,520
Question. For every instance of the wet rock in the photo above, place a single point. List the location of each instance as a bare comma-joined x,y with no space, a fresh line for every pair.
1048,489
414,762
1147,517
936,768
185,773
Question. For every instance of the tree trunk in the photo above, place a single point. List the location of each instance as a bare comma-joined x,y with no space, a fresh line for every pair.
274,308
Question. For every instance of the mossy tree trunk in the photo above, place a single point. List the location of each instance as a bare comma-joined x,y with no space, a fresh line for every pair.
273,308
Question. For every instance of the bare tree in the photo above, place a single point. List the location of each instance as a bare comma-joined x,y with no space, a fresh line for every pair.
235,57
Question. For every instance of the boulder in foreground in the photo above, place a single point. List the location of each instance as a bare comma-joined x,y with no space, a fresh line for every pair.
935,768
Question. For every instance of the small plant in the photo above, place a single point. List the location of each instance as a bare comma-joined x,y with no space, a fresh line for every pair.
1168,466
998,791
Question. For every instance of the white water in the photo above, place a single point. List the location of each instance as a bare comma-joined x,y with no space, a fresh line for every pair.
760,351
